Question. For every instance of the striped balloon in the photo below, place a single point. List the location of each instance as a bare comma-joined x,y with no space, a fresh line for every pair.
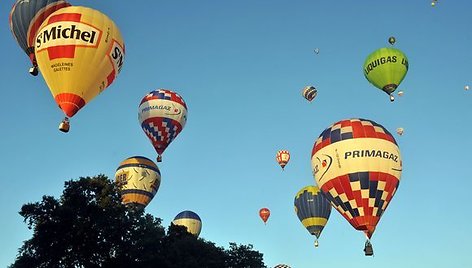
282,157
309,93
313,210
190,220
162,115
138,179
282,266
357,165
25,18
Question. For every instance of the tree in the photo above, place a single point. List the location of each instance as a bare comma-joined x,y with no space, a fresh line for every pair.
243,256
88,226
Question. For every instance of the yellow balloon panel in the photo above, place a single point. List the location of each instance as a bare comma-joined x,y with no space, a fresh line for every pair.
193,226
356,155
79,51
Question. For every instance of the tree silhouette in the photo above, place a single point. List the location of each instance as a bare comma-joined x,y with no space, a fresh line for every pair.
88,226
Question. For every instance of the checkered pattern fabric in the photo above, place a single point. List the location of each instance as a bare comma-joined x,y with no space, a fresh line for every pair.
282,157
351,129
361,197
164,94
161,132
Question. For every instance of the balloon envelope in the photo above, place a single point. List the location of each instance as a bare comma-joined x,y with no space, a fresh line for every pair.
357,165
138,179
80,52
309,93
400,131
386,68
312,209
282,157
25,19
264,213
190,220
162,114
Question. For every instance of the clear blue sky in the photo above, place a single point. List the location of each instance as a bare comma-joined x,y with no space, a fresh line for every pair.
240,66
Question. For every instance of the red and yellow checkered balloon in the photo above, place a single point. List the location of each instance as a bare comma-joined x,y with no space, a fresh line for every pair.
357,165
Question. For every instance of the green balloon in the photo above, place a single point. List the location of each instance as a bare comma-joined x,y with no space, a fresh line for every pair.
385,68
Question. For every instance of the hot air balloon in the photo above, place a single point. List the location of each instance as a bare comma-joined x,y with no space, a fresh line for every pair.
313,210
391,40
309,92
264,213
162,115
317,51
282,157
385,68
400,93
190,220
434,2
80,52
282,266
400,131
138,179
466,88
357,165
25,18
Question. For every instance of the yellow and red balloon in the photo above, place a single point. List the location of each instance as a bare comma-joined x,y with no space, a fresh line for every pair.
357,165
80,52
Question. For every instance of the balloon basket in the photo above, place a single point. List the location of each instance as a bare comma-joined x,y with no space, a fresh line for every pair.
33,71
368,250
159,158
64,126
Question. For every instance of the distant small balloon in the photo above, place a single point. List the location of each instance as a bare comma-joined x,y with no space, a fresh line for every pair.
392,40
400,131
282,157
282,266
466,87
264,213
316,50
309,93
400,93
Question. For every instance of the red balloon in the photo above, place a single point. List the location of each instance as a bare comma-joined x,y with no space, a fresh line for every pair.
264,213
